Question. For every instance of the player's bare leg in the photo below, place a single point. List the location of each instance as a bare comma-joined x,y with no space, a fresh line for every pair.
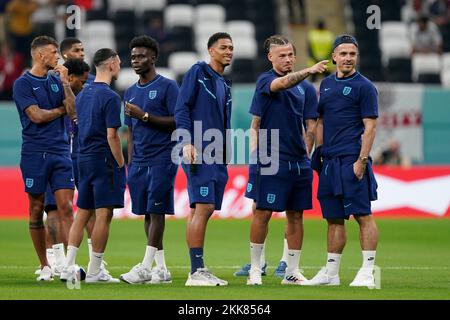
36,226
89,227
197,225
51,235
368,236
64,203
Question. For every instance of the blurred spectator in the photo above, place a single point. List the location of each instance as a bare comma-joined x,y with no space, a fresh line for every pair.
19,25
3,4
156,30
43,18
297,14
11,67
392,156
320,46
426,37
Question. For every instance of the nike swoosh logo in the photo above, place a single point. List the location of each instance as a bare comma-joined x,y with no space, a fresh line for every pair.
198,256
158,203
347,205
72,179
326,89
35,88
131,99
206,78
291,254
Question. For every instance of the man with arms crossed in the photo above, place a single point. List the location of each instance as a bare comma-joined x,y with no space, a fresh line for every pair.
348,109
42,101
149,108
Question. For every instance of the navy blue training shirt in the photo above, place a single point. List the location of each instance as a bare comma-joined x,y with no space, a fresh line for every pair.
285,110
98,108
157,97
47,93
343,104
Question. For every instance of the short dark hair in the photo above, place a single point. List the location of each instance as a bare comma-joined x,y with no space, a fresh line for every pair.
276,40
102,55
76,66
216,37
146,42
42,41
67,43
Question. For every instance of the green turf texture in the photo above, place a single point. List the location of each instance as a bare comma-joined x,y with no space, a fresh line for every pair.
414,257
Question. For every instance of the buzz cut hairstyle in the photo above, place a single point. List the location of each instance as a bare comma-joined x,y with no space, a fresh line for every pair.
76,67
67,43
277,40
102,55
145,42
216,37
42,41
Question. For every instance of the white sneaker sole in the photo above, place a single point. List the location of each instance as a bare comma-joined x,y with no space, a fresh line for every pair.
203,284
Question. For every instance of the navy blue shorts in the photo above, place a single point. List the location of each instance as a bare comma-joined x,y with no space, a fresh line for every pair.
289,189
50,201
42,169
101,183
352,197
251,184
152,188
206,183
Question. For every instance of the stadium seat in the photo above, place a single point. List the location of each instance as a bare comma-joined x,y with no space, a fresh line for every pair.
395,48
244,48
181,38
203,30
399,70
429,78
144,5
178,15
241,29
115,5
426,65
180,62
394,30
96,15
445,79
166,72
210,13
126,78
243,71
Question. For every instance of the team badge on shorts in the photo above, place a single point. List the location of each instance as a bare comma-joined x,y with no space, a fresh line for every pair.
29,182
346,90
152,94
249,187
204,191
54,87
271,198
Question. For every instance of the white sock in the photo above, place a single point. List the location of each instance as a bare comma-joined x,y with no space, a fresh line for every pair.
293,260
90,247
255,253
95,263
148,257
333,262
58,252
262,262
50,257
368,259
160,260
284,257
71,255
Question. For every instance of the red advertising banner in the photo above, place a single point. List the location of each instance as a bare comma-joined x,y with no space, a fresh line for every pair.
421,191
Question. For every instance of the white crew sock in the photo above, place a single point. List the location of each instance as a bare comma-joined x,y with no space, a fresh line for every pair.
58,252
160,260
95,263
284,257
149,256
256,250
293,259
262,262
71,255
333,262
368,259
50,257
90,248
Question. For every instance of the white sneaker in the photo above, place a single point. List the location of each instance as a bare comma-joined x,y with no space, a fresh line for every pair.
45,274
160,275
322,278
137,275
295,278
364,278
57,270
38,271
254,277
203,277
101,277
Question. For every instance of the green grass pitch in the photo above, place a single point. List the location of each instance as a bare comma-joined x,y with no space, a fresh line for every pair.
414,257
